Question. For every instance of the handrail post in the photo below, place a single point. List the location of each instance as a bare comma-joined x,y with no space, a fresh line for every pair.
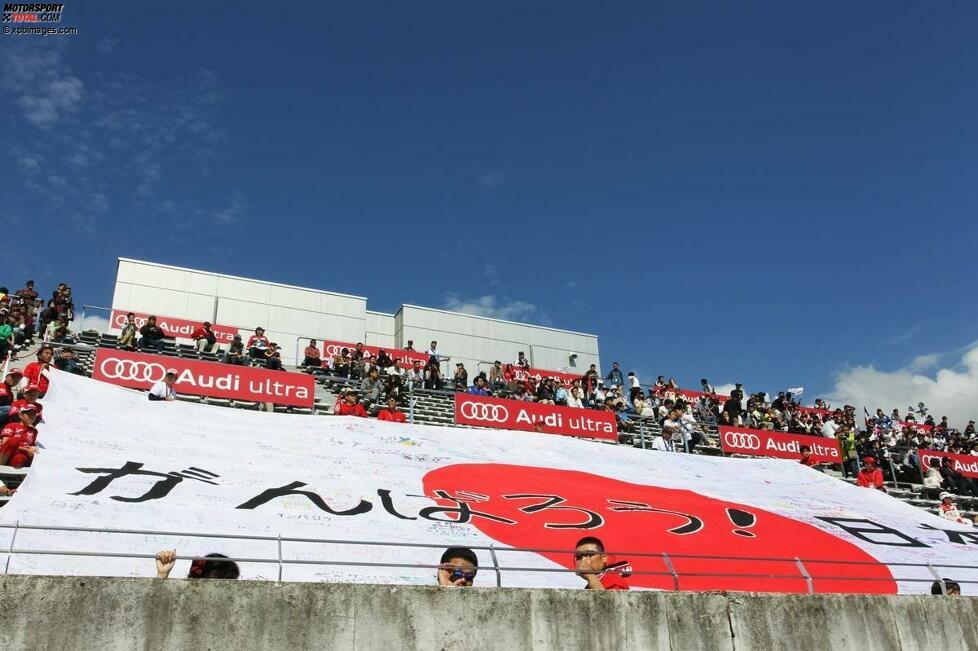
495,565
10,551
938,578
804,573
280,556
672,571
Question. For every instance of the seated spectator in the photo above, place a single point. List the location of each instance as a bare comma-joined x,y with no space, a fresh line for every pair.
311,357
479,388
7,390
432,375
953,480
235,354
6,335
665,441
509,376
391,413
592,565
46,316
575,397
946,586
212,566
545,392
127,340
415,375
6,492
870,476
614,377
163,390
395,379
348,405
342,363
151,336
458,568
370,388
497,381
383,360
642,408
561,395
36,372
522,361
18,439
28,399
204,338
690,431
257,344
949,510
68,362
273,357
461,379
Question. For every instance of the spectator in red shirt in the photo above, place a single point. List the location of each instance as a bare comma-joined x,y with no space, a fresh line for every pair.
349,406
35,372
257,344
870,476
312,359
391,413
806,457
205,338
594,567
17,440
7,392
28,399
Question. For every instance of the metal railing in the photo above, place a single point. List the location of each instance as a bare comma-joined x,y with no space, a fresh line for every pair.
801,565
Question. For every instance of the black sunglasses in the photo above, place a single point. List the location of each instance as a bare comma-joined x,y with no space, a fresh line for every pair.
461,574
582,555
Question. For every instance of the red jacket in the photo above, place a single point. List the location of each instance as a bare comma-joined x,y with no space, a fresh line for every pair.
352,410
613,577
16,435
200,333
253,339
870,478
392,416
33,373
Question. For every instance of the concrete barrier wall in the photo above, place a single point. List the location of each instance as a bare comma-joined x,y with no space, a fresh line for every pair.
111,613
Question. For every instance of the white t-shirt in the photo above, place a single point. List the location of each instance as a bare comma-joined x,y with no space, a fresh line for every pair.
162,390
829,428
661,444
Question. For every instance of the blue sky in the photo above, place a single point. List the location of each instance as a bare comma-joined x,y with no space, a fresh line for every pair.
758,192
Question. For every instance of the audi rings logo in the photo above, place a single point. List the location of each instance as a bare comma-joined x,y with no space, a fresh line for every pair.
742,440
335,349
114,368
484,411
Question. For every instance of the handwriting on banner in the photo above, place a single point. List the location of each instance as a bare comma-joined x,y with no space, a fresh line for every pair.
210,379
762,443
501,413
466,506
521,374
172,326
407,357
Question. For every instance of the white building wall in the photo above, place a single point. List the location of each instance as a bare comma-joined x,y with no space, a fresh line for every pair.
291,313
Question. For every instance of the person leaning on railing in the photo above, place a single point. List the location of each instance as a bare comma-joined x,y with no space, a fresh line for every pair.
458,568
212,566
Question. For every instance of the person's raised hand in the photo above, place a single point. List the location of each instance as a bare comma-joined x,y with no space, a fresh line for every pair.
164,562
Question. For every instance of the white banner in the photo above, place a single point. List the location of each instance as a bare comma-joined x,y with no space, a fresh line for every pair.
111,459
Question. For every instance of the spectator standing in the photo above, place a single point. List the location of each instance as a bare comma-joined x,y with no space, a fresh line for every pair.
410,346
593,565
311,357
497,380
614,376
127,339
204,338
521,360
151,335
163,390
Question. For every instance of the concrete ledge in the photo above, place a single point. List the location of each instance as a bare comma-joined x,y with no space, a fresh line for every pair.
113,613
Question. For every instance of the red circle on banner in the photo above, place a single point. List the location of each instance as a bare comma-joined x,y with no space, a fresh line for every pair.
651,519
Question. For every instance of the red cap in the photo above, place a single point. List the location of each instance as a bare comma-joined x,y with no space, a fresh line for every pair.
869,459
31,408
15,371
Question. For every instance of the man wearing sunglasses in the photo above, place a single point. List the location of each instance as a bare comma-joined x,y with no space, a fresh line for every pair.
458,568
592,565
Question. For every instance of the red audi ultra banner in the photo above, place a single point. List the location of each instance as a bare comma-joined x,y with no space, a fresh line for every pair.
696,395
500,413
965,464
407,357
814,410
173,327
920,427
521,374
761,443
210,379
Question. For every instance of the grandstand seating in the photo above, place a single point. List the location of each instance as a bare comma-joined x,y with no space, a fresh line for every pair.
434,408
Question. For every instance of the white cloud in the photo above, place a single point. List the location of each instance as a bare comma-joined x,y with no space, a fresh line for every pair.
90,322
496,308
905,335
951,392
229,215
46,105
